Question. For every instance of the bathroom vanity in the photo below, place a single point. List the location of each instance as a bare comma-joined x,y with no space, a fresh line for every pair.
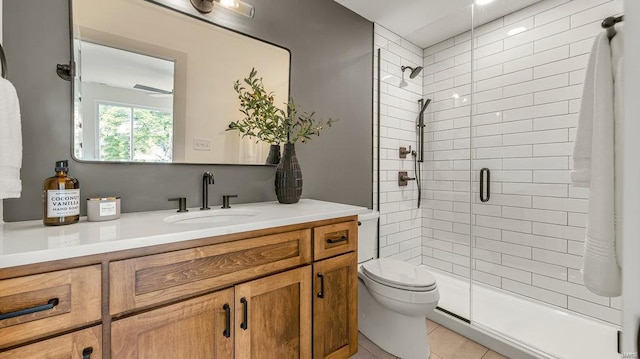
261,280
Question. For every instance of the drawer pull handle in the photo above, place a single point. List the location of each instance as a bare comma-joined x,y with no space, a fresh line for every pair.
321,292
245,308
86,353
50,305
341,239
227,323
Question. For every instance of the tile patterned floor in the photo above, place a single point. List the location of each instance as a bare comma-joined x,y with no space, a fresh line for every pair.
445,344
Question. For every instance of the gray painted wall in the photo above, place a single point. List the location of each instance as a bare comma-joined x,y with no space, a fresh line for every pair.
331,71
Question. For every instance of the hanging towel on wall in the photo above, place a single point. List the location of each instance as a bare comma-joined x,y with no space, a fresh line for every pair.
10,141
617,58
594,167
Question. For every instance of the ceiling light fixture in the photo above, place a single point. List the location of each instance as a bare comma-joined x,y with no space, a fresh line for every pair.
237,6
516,30
483,2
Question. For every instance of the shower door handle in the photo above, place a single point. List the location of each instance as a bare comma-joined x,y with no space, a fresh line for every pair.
482,185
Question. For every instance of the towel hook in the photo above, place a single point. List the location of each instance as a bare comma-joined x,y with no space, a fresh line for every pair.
3,63
609,24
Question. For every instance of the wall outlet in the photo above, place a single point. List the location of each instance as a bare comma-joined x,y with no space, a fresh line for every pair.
202,144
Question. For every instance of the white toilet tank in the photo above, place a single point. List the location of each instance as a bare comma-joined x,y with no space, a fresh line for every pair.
367,232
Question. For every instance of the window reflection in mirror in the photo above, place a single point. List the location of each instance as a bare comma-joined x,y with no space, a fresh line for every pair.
155,85
126,105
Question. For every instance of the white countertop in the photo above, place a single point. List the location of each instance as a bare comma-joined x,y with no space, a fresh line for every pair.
32,242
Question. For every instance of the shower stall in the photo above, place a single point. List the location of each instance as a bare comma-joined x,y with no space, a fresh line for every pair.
499,224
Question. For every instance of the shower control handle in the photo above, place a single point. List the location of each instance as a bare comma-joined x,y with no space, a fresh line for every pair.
482,185
403,178
404,152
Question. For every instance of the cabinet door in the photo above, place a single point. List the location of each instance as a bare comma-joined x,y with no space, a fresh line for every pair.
82,344
273,316
197,328
335,307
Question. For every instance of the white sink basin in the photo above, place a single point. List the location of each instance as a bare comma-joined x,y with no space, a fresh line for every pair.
212,217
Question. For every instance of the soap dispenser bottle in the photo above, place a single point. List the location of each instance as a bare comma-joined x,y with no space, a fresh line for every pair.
60,197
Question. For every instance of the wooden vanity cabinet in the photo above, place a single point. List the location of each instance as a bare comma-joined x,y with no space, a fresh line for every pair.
287,292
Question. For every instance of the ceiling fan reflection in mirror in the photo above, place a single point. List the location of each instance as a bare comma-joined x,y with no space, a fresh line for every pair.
155,92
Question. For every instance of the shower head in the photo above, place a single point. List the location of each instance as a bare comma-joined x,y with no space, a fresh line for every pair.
414,71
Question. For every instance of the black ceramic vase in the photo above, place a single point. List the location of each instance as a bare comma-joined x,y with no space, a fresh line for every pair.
289,176
274,155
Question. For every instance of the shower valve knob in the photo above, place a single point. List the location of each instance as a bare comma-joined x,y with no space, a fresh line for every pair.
404,152
403,178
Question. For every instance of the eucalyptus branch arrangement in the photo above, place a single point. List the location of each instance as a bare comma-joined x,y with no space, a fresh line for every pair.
263,120
300,127
266,122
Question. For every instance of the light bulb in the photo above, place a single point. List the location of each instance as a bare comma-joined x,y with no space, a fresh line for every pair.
237,6
230,3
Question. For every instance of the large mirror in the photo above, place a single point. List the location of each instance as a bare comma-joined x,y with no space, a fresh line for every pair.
155,85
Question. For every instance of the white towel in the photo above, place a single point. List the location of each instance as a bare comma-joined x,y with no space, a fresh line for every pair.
10,141
593,167
617,56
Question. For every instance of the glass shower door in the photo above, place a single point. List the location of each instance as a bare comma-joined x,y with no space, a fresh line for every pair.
529,221
447,177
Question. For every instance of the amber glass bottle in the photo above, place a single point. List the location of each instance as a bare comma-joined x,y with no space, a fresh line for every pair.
60,197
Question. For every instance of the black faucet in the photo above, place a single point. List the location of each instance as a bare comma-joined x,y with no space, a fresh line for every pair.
207,179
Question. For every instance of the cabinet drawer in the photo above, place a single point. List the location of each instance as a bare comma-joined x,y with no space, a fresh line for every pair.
83,344
334,239
46,304
145,281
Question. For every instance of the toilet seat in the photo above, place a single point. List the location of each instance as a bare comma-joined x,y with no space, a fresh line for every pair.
400,275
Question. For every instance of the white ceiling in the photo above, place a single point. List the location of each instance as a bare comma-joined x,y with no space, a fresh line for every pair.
119,68
427,22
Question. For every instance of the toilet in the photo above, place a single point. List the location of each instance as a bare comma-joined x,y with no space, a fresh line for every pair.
394,297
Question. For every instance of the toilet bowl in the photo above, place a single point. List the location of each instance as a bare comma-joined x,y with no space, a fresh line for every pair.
394,298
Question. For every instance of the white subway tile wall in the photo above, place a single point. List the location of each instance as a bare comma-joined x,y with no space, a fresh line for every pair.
528,237
400,219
